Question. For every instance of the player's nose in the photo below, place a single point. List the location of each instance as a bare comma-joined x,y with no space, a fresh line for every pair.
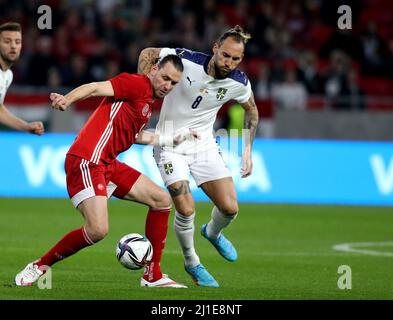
168,86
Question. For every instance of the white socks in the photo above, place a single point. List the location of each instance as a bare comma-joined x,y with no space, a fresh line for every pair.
184,230
218,222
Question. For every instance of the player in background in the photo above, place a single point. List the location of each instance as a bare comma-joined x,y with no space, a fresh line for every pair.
10,48
93,173
207,83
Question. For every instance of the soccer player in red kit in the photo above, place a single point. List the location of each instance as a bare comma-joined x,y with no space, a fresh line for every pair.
94,174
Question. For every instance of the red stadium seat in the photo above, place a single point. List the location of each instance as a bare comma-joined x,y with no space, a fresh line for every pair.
378,92
316,102
265,108
376,86
319,34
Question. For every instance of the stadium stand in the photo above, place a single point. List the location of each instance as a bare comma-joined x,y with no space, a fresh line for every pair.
93,40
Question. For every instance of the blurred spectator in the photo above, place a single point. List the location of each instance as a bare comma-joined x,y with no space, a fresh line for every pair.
341,84
277,71
112,69
279,38
345,40
262,83
188,38
97,60
296,21
263,19
54,79
214,30
308,72
291,94
263,99
105,6
206,16
78,73
335,77
61,48
92,38
40,62
374,50
237,13
130,59
355,93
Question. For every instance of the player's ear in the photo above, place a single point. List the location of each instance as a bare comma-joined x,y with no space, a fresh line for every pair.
154,69
215,47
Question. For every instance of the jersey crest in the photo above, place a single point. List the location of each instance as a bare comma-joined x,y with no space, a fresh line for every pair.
168,168
221,93
145,110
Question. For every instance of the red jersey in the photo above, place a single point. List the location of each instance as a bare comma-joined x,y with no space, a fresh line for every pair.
115,124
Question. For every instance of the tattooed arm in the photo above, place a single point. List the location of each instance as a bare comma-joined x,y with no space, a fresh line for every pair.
251,118
147,58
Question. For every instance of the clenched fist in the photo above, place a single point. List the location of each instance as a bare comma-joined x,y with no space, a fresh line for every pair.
36,127
59,101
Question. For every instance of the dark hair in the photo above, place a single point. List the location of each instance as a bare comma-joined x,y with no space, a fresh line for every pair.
10,26
237,33
174,59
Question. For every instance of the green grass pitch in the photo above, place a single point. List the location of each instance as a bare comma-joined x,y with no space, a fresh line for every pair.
285,252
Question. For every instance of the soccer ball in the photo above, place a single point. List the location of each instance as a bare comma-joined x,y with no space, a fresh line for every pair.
134,251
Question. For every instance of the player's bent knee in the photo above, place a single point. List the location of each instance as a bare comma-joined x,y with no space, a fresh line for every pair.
162,201
229,209
166,200
185,211
97,233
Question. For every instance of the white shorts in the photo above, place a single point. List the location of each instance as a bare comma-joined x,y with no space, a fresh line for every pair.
203,166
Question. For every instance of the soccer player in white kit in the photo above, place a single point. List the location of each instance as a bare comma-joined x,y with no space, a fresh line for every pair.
10,48
206,84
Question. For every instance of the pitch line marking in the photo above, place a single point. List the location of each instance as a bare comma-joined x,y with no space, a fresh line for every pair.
355,247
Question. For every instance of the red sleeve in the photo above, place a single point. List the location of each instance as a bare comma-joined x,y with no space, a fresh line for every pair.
128,86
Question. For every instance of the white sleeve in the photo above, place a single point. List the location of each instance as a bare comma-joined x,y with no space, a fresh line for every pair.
7,84
166,51
245,93
11,78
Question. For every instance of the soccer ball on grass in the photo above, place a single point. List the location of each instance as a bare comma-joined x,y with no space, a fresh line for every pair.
134,251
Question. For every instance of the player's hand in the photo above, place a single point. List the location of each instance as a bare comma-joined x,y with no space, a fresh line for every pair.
59,101
246,163
36,127
187,135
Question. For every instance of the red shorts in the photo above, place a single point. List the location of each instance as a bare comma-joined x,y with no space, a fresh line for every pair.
86,179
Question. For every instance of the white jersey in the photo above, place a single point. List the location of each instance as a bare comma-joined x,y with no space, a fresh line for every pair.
5,82
196,99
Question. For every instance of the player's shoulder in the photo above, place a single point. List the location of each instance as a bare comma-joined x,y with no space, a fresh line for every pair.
132,77
193,56
7,75
239,76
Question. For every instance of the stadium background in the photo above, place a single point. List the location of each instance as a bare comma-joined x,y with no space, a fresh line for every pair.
324,139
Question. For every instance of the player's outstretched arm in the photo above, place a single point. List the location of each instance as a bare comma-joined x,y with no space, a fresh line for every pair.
147,58
251,118
146,137
93,89
12,121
